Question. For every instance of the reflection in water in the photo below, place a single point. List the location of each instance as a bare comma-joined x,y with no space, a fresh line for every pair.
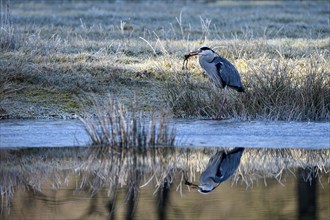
117,183
306,189
221,166
163,198
133,189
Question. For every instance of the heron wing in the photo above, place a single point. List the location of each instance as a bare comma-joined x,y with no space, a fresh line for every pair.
230,163
212,168
218,66
228,73
220,167
211,70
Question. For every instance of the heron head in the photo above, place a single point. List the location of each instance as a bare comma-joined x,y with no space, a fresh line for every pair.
203,51
202,188
205,189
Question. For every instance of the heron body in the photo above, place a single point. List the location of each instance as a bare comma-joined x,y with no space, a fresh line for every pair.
219,70
221,166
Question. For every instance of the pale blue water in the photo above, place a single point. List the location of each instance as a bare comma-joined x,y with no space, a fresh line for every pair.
196,133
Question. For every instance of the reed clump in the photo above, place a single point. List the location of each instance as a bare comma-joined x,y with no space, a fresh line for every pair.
116,125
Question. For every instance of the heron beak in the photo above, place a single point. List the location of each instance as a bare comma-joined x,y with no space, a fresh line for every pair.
195,186
186,58
193,53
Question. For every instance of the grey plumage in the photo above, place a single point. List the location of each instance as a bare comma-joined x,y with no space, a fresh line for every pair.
221,166
219,70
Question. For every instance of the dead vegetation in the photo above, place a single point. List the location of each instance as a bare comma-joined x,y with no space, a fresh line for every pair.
113,124
276,89
283,59
7,32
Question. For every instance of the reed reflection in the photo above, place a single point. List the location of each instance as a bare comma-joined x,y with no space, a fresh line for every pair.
116,177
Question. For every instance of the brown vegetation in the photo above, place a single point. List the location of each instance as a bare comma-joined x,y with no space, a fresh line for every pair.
58,51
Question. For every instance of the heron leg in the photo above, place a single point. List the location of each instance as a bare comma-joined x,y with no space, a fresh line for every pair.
225,95
222,104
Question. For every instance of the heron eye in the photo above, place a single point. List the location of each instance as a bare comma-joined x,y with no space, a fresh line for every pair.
205,48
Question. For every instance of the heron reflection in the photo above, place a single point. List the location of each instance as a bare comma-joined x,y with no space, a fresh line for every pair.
221,166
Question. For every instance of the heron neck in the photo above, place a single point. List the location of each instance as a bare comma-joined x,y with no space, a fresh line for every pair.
208,58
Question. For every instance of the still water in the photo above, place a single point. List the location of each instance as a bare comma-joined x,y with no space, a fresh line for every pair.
149,183
254,170
192,133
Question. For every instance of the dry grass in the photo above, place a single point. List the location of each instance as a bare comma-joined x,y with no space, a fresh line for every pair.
113,124
7,33
133,49
276,89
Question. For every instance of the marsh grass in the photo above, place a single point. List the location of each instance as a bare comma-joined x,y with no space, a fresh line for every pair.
283,60
289,90
7,33
115,125
276,89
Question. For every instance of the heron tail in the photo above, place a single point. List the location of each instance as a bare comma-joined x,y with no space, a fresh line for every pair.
237,88
236,150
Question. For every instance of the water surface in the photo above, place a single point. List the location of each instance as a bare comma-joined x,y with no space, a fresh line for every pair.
193,133
284,172
148,183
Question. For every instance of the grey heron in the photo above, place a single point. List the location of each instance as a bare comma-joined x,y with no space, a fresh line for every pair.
219,70
221,166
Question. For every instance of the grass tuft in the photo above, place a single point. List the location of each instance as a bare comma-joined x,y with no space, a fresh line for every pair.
115,125
7,35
